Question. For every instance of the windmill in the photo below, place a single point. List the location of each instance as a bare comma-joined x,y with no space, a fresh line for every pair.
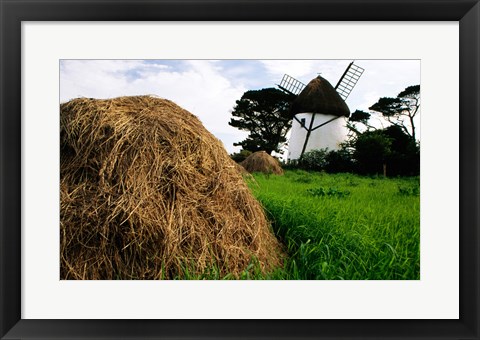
319,104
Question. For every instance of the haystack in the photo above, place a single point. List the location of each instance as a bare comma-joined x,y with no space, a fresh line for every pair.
261,161
148,193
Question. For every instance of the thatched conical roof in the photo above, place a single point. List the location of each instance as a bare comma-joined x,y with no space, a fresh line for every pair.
319,96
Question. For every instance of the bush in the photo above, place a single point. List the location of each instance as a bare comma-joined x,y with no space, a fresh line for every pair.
333,161
404,159
240,156
372,149
391,147
314,160
339,161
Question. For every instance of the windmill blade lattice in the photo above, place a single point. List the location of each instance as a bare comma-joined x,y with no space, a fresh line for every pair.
349,79
291,85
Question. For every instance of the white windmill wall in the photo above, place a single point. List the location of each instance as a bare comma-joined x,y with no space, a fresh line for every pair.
328,136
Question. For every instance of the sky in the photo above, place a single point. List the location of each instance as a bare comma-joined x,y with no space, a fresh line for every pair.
209,88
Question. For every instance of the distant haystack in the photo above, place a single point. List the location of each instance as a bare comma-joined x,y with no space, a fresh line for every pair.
261,161
148,193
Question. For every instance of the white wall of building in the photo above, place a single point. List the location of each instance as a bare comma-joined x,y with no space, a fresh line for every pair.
328,136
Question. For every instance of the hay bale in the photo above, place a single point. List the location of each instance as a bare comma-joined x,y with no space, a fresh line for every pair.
261,161
242,170
147,193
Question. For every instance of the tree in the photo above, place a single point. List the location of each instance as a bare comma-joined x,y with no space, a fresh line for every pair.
404,107
405,153
339,161
371,151
358,116
266,115
390,147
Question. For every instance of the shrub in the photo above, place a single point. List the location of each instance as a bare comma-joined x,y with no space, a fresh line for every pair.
404,159
315,160
240,156
339,161
372,149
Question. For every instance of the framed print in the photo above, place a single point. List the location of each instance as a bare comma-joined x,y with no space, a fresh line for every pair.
124,215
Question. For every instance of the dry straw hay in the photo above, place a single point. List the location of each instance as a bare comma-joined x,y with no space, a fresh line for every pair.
261,161
148,193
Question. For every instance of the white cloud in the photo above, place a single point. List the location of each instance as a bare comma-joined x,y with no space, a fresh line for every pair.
198,86
209,88
383,78
306,70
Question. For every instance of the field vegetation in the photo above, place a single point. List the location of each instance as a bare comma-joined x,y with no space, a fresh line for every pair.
339,226
347,214
344,226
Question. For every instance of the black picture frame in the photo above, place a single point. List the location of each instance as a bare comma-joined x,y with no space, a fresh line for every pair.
13,12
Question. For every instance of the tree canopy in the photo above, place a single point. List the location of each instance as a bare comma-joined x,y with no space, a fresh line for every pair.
394,146
372,149
401,109
359,116
265,114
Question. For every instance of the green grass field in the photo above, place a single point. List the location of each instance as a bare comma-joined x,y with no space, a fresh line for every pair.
343,226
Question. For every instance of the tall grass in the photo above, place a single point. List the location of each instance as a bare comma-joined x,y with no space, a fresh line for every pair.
342,226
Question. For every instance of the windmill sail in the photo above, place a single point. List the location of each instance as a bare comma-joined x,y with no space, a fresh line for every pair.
291,85
348,80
